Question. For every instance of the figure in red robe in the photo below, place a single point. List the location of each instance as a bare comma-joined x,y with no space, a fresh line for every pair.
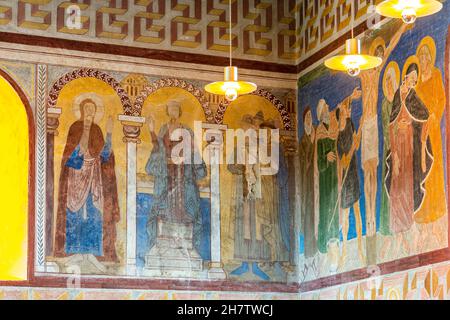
88,209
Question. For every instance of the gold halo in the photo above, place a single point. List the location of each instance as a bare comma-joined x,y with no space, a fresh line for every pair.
431,44
379,41
390,8
408,62
100,110
392,65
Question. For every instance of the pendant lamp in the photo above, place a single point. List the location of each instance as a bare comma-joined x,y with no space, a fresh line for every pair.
408,10
231,87
353,62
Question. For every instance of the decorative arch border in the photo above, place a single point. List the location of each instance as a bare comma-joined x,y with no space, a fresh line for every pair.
55,90
173,83
285,116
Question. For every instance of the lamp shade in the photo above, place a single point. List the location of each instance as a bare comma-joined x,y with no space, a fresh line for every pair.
231,87
408,10
353,61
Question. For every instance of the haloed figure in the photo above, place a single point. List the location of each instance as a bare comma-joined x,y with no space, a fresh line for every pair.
261,231
306,159
390,84
88,208
326,173
410,158
369,145
430,89
176,195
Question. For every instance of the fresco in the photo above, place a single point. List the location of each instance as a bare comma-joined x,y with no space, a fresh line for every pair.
177,197
361,188
257,216
89,187
119,204
373,154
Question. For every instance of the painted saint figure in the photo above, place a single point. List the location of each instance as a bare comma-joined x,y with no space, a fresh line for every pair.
176,192
430,89
275,200
88,209
369,146
261,221
390,84
327,177
410,159
306,158
347,145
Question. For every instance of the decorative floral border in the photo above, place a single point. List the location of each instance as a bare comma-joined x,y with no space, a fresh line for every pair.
176,83
285,116
90,73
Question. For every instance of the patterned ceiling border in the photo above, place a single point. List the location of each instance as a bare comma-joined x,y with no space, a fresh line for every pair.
282,36
265,30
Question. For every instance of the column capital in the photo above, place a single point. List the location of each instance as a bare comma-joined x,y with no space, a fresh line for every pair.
53,115
289,141
131,128
214,133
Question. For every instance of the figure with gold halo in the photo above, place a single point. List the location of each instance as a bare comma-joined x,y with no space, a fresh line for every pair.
391,80
176,192
259,203
88,209
326,177
430,89
369,145
410,157
307,193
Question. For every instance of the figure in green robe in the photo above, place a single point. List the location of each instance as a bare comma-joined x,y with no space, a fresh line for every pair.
327,173
306,159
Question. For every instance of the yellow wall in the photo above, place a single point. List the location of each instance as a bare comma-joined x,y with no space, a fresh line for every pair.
13,184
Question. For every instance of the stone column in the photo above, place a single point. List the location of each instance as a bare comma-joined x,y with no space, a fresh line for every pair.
52,126
131,129
214,137
288,139
44,222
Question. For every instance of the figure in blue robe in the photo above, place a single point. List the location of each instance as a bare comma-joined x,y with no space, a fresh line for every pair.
176,192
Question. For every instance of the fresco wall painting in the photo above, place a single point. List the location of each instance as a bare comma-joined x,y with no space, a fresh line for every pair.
374,151
357,210
115,205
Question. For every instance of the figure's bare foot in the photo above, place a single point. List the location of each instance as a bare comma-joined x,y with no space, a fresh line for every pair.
437,233
385,248
342,260
398,247
93,260
406,246
362,258
72,260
